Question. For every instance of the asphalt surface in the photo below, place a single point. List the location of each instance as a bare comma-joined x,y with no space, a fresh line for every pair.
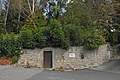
76,75
111,66
107,71
12,73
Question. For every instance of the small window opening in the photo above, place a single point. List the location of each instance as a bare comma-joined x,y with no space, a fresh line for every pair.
82,56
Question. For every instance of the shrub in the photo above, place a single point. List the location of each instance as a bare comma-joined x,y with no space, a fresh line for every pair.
55,35
26,36
15,59
88,37
10,45
92,38
58,38
73,33
39,38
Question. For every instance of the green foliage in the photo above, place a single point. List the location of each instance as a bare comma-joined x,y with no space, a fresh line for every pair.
27,38
15,59
55,35
39,19
92,38
103,18
53,8
10,45
35,20
2,22
73,33
52,35
39,37
77,13
62,30
112,34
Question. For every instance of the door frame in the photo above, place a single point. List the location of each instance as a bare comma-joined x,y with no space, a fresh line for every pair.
52,57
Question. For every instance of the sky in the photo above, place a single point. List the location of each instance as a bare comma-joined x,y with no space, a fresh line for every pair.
0,5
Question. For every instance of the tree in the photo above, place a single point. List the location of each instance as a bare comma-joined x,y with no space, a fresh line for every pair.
29,5
117,15
35,20
53,8
7,5
92,38
102,13
74,34
55,35
13,9
16,12
77,13
114,31
1,23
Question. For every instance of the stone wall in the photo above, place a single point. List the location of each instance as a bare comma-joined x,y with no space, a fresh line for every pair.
75,57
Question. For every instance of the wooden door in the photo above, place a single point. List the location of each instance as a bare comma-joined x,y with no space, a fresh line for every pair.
47,59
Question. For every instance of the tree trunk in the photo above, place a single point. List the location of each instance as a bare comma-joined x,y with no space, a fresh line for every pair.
29,5
33,6
6,15
18,21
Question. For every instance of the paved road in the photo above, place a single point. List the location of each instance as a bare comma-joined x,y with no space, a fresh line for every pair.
107,71
12,73
111,66
76,75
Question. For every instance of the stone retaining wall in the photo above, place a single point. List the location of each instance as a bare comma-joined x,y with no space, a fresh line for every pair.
75,57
